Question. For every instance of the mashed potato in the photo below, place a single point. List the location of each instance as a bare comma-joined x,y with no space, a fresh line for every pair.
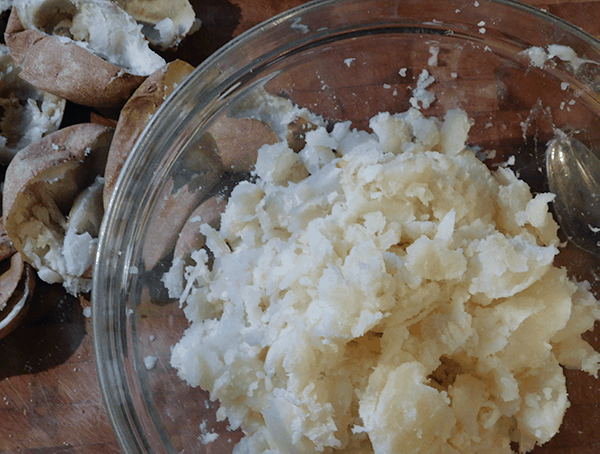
383,292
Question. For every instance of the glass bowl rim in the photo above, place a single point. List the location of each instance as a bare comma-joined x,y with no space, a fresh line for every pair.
106,351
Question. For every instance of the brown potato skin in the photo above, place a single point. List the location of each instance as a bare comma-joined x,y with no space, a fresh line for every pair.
190,238
238,141
136,114
24,290
10,279
68,144
7,249
66,69
154,11
48,175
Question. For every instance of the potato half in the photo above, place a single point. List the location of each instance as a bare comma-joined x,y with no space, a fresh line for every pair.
164,23
52,203
190,238
17,284
26,113
136,114
89,52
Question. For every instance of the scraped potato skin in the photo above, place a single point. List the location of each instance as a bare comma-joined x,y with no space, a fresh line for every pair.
70,144
66,69
170,215
136,114
190,239
9,280
26,113
238,141
21,296
152,12
7,249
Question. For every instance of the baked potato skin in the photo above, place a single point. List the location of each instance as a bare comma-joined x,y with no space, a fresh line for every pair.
136,114
72,143
67,70
17,287
42,184
72,154
26,113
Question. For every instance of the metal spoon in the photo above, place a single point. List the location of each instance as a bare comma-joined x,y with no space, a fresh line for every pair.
574,177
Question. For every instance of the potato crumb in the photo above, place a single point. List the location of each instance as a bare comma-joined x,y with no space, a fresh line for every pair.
150,362
207,436
433,59
538,56
384,292
420,94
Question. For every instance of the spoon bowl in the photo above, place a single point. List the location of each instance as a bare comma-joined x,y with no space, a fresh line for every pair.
574,177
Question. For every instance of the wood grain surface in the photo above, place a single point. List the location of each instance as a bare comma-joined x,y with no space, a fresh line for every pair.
50,399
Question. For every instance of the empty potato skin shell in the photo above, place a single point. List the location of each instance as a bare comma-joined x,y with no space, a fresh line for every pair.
190,238
171,214
66,69
72,149
72,143
28,114
20,281
152,12
9,280
238,141
136,114
6,247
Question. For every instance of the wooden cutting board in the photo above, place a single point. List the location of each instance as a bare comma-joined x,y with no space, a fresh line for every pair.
50,399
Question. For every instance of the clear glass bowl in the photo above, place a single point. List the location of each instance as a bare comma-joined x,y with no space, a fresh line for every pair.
344,60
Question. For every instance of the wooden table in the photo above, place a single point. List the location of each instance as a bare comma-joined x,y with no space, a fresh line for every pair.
50,399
